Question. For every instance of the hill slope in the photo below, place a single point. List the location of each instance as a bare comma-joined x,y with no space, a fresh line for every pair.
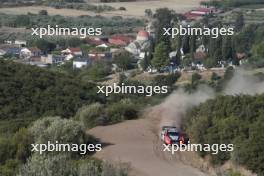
27,91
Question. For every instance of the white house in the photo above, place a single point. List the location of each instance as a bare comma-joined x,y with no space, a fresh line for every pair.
80,62
75,51
21,43
102,46
2,52
30,52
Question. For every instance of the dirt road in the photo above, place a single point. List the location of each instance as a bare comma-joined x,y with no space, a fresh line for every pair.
136,142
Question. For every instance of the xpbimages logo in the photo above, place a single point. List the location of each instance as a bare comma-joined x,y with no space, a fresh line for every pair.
211,148
59,147
198,31
57,31
127,89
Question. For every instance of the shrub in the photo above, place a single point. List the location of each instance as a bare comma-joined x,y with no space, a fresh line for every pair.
90,115
46,165
123,110
122,8
57,129
43,12
169,80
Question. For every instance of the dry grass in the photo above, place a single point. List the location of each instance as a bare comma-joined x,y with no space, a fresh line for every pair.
51,11
133,9
138,8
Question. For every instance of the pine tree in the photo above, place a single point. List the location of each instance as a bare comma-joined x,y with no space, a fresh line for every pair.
227,48
161,56
145,62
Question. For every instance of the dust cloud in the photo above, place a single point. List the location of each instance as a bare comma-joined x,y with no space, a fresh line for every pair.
176,105
242,83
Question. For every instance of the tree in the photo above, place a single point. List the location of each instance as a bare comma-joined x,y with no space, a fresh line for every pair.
164,19
123,61
45,45
56,129
258,50
239,22
74,42
148,13
161,56
96,71
195,78
186,44
145,62
227,47
43,12
22,20
192,44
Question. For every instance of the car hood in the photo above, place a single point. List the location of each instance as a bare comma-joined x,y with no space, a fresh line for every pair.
173,137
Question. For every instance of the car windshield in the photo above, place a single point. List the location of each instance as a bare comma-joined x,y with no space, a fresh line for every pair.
173,133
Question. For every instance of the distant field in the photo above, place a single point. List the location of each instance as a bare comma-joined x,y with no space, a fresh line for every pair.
134,9
137,8
250,16
51,11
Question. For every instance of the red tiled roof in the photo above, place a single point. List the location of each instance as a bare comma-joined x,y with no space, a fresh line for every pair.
143,33
121,37
95,42
190,16
206,10
75,49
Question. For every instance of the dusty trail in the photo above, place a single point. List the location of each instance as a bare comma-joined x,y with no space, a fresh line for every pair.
136,142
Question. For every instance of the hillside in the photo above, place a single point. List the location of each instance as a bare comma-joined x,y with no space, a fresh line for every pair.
234,120
31,92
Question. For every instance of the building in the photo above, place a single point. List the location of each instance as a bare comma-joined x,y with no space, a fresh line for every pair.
53,59
96,40
21,43
70,53
8,49
142,35
120,40
203,11
80,62
98,55
74,51
30,52
198,13
140,45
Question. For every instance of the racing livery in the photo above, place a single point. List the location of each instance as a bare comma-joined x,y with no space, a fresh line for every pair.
171,135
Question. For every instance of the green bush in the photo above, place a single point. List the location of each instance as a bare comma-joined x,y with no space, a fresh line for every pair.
57,129
91,115
166,80
123,110
47,165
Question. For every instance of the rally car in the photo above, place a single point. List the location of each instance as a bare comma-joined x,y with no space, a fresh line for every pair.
171,135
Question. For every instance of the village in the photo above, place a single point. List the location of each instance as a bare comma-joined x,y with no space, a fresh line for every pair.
108,47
